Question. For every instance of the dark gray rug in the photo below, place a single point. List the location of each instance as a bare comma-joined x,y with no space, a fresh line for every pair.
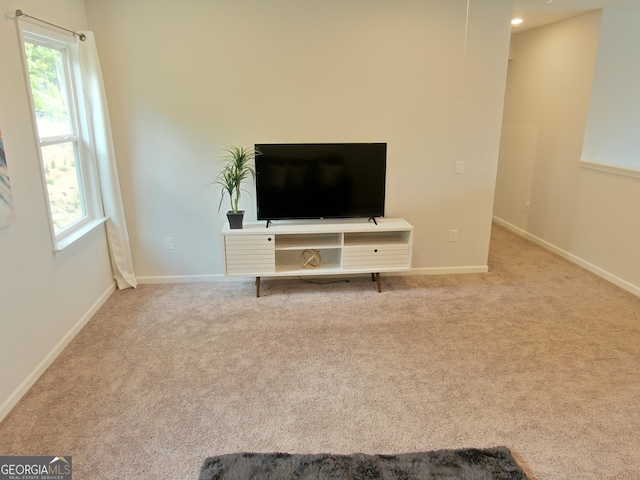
466,464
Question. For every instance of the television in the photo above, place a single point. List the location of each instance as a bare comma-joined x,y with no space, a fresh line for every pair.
320,180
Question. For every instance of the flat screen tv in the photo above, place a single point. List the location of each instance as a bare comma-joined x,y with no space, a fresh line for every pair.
320,180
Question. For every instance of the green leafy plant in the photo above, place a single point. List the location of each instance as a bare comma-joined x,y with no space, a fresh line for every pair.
236,167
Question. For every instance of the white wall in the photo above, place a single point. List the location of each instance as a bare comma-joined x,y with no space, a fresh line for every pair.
186,79
43,299
587,216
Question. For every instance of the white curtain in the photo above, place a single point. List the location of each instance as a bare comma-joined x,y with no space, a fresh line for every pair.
117,235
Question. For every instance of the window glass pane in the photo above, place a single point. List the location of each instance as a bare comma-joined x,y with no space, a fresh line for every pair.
64,184
47,76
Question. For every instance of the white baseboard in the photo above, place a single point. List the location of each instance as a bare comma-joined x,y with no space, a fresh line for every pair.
28,382
157,279
629,287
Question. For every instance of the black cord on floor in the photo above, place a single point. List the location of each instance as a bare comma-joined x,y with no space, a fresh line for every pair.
323,283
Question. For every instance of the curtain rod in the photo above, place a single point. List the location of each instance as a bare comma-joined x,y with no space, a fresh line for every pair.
81,36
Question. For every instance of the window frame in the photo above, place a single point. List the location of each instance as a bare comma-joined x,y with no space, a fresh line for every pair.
80,138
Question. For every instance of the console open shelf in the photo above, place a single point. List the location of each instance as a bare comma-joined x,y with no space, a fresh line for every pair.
342,247
293,241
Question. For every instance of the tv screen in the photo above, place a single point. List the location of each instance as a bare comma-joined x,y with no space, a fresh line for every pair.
320,180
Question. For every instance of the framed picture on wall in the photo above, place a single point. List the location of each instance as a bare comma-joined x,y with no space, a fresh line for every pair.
7,214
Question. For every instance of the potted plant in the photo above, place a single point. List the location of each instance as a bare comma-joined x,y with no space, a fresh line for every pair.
235,168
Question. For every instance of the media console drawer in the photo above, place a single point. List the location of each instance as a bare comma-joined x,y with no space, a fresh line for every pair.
376,257
249,254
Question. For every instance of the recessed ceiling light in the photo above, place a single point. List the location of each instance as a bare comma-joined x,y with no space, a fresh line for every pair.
516,21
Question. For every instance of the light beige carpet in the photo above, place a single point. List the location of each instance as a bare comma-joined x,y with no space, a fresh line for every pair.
537,355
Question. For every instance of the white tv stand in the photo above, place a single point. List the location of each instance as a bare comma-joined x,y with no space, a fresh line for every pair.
345,247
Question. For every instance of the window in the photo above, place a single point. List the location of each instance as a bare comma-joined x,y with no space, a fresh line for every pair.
68,166
611,141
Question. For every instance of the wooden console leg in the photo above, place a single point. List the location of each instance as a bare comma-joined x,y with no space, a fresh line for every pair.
378,281
373,277
257,287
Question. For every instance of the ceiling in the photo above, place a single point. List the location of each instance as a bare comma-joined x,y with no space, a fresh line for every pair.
536,13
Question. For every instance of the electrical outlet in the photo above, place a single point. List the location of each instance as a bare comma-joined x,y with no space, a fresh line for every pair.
458,167
168,243
453,235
